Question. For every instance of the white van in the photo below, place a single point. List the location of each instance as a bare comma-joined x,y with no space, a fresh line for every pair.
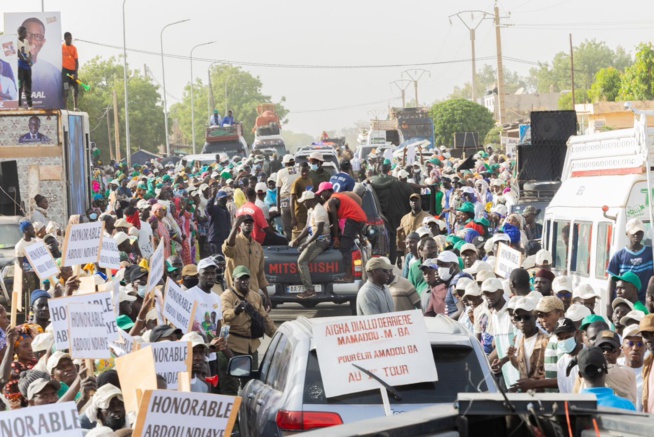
604,184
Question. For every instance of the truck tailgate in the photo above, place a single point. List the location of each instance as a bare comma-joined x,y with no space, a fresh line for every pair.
281,266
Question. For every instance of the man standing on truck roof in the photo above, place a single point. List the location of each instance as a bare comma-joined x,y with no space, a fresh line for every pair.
70,65
347,219
229,119
285,178
24,68
635,258
318,227
318,173
215,119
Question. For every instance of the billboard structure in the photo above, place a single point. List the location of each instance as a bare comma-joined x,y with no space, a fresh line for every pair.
8,72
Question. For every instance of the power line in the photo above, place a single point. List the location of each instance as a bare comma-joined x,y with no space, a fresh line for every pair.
305,111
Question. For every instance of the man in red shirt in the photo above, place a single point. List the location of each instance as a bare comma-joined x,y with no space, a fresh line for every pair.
69,65
262,232
347,219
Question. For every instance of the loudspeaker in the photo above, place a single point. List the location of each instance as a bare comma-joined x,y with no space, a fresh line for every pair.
10,193
541,163
550,127
467,140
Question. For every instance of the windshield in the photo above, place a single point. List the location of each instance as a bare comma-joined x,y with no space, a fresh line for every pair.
451,362
231,148
9,235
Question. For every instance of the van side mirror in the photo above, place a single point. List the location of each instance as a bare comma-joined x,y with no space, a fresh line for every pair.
240,366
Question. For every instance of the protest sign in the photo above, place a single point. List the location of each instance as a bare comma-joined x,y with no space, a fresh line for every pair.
87,331
506,260
393,346
124,345
109,254
115,296
179,307
53,420
59,315
82,244
136,371
156,267
164,412
41,260
170,358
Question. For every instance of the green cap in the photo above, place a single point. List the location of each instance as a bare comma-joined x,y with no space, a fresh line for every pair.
387,162
453,239
436,161
483,221
240,271
590,319
170,267
226,175
166,178
459,244
631,278
124,322
467,207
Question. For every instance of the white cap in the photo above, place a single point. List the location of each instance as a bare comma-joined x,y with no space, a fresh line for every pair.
618,300
261,186
317,156
631,331
39,384
462,283
422,231
525,303
124,296
287,158
54,359
488,245
428,220
153,314
499,209
133,232
403,174
448,256
584,291
307,195
496,183
478,266
491,285
195,339
468,190
561,283
529,262
511,303
483,275
501,237
43,342
635,225
472,289
143,204
633,315
577,312
468,246
205,263
543,257
272,178
120,237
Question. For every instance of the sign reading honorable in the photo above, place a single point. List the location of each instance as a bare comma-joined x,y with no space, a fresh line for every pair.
87,332
165,412
179,307
170,358
506,260
53,420
82,244
41,260
109,254
393,346
156,267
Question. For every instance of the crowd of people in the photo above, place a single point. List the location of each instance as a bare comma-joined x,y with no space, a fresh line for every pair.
445,226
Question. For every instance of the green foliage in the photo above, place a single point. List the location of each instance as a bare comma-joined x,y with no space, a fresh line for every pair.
486,79
494,136
565,101
606,86
233,88
146,120
459,115
295,140
638,80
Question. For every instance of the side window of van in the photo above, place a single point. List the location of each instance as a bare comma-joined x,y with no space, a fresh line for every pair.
581,241
560,240
604,236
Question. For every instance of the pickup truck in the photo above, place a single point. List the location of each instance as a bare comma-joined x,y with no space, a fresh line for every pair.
327,271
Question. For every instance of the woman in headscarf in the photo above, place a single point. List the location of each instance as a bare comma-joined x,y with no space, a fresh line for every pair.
183,219
159,227
19,342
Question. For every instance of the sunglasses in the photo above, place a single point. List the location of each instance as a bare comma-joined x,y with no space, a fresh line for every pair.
634,343
608,349
524,318
564,295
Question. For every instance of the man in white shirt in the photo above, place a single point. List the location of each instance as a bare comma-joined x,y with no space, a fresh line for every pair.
569,342
30,280
285,178
261,188
633,350
318,228
501,327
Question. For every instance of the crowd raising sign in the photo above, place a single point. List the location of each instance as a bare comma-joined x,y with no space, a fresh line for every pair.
506,260
179,307
109,254
87,332
169,413
156,267
170,358
393,346
59,315
53,420
82,244
41,260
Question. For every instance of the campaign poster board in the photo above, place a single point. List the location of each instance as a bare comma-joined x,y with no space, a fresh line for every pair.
87,332
506,260
157,262
179,307
8,71
393,346
170,358
59,315
109,254
41,260
82,244
29,130
44,37
136,372
53,420
165,412
124,345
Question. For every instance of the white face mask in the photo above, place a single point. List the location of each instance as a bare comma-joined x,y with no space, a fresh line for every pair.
141,290
444,273
568,345
446,155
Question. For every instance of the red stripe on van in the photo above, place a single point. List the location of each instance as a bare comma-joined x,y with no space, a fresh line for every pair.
607,172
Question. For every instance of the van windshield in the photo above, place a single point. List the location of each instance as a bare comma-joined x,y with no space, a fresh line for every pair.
230,148
453,378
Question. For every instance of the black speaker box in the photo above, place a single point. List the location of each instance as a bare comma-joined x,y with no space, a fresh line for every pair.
552,127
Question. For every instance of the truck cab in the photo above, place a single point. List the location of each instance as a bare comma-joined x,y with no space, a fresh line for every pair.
226,139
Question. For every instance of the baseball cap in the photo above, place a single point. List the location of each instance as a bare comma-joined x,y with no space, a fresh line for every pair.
261,186
414,196
206,263
531,210
162,331
632,315
124,322
591,318
120,237
584,291
634,225
221,194
307,195
317,156
484,275
447,256
549,303
529,262
43,342
105,394
54,360
429,264
472,289
377,263
287,158
501,237
525,303
629,277
478,266
561,283
124,296
190,270
491,285
647,324
565,325
428,220
38,385
137,273
241,271
143,204
195,339
631,331
543,257
618,300
423,230
499,209
607,337
467,246
462,283
122,223
577,312
403,174
324,186
591,362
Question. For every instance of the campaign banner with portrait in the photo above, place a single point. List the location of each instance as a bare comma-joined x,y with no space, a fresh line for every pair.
8,72
44,37
29,130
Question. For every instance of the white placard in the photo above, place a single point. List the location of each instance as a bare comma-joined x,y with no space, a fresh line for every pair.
41,260
179,307
506,260
87,332
53,420
170,358
157,262
59,315
109,254
124,345
165,412
115,296
393,346
82,244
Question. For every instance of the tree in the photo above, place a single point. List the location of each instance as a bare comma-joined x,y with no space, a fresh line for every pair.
638,79
145,109
459,115
232,88
606,86
295,140
486,79
565,101
494,136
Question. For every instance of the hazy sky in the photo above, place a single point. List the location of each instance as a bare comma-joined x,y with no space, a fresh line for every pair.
340,33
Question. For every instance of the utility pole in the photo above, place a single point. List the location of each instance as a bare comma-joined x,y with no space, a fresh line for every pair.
500,69
117,128
572,71
415,75
472,26
111,149
402,85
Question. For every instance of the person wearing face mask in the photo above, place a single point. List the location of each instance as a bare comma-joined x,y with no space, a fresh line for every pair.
139,279
569,344
317,173
220,221
189,276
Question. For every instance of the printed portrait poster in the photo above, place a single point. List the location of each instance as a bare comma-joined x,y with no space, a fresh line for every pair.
44,36
29,130
8,72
